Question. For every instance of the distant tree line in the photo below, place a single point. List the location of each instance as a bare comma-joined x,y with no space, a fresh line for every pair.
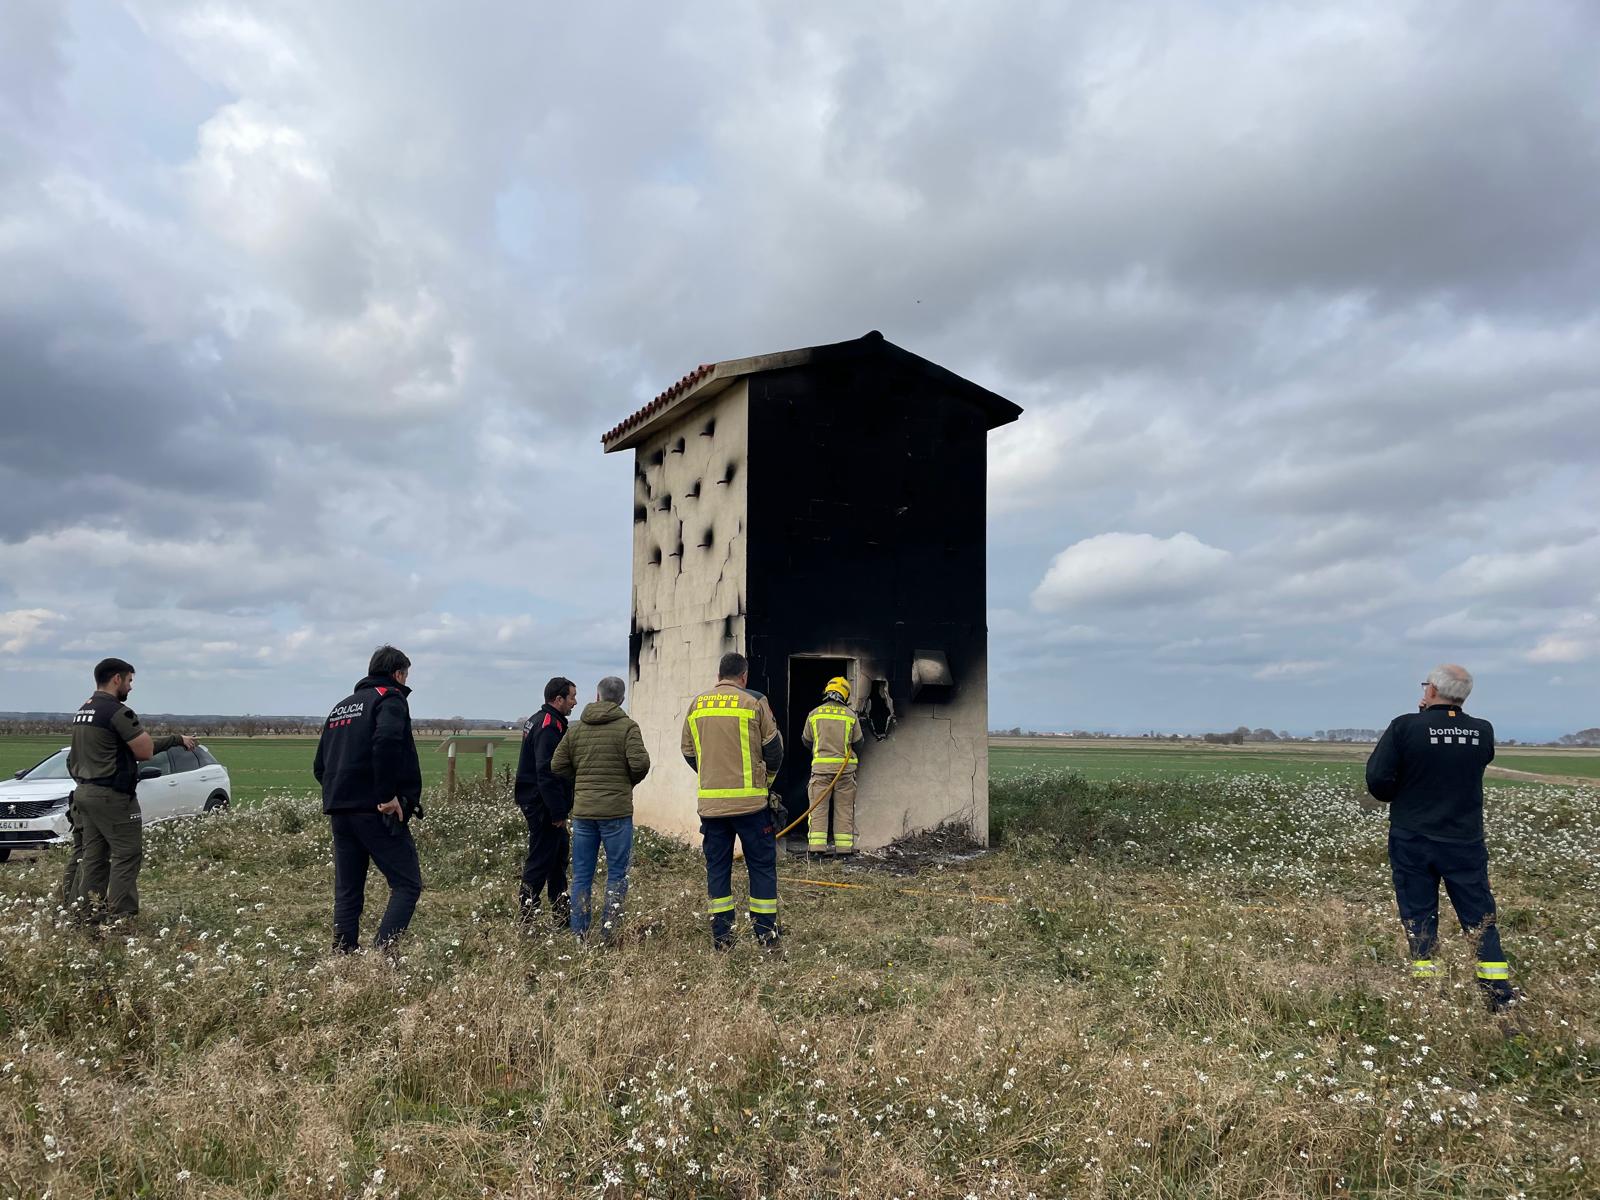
248,726
1584,737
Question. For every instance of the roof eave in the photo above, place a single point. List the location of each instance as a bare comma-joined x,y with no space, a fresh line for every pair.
711,379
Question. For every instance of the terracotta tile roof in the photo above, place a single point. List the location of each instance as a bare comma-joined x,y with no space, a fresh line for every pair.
665,398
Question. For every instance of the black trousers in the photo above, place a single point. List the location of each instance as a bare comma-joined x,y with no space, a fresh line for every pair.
760,844
1419,864
360,838
545,870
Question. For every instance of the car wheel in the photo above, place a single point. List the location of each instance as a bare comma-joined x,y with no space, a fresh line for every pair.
5,853
216,801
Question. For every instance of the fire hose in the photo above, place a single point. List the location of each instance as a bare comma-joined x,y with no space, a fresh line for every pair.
826,792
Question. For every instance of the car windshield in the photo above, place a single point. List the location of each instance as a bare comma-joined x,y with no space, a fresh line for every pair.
54,767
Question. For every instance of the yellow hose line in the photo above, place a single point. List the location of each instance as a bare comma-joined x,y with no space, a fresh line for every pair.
862,887
1137,904
826,792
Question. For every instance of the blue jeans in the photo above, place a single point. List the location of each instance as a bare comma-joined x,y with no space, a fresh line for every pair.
587,837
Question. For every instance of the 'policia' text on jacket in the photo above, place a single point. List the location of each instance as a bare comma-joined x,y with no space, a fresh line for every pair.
366,755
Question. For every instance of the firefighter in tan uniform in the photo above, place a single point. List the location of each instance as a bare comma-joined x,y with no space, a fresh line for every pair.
731,739
833,732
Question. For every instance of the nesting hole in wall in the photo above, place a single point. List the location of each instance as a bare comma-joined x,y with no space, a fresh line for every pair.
705,538
657,457
711,428
678,553
639,514
694,491
728,472
677,446
655,557
666,502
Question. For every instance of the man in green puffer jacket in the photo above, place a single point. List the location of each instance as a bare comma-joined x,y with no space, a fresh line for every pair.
603,755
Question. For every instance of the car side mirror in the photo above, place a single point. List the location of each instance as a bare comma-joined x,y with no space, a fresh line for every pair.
20,773
149,773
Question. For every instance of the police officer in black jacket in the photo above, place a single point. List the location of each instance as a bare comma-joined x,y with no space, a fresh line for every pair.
1428,767
545,799
371,788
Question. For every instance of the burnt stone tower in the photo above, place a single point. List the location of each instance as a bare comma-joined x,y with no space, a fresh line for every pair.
822,511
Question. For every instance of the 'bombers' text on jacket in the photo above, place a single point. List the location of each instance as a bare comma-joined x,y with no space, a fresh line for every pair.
604,756
731,739
1428,766
366,755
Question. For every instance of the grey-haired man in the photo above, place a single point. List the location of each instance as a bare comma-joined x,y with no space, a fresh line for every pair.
1428,767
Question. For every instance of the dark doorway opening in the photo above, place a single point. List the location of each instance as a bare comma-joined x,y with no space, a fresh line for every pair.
808,675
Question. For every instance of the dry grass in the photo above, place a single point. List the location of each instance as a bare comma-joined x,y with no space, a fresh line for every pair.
1194,993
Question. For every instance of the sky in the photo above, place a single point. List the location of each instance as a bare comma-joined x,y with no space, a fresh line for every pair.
311,316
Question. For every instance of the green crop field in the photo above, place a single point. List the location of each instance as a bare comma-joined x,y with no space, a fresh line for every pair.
1140,759
1579,764
1119,760
262,767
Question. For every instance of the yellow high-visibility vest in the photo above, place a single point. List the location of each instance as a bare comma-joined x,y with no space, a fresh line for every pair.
834,731
707,719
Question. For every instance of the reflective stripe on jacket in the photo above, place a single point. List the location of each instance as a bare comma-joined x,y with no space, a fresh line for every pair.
725,732
833,732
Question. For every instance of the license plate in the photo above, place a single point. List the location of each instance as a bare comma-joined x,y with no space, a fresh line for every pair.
13,824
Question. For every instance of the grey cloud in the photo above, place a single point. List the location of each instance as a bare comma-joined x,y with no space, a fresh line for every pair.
31,57
1318,286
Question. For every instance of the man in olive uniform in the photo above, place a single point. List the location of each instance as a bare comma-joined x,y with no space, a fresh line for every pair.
108,744
731,739
833,732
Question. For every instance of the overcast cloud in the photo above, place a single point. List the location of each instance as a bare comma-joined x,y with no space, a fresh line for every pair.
311,315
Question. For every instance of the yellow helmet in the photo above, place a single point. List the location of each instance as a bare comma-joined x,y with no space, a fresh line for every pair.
839,687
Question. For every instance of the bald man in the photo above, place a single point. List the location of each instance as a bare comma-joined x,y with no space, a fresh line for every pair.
1428,768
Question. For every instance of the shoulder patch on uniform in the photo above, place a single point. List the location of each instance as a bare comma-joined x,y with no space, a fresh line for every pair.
383,691
546,724
130,712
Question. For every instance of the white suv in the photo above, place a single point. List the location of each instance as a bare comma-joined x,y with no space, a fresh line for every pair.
174,783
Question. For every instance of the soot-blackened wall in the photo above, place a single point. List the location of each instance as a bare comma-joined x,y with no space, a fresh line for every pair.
866,541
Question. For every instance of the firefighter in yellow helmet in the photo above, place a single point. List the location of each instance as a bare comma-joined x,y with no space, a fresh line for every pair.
833,732
731,739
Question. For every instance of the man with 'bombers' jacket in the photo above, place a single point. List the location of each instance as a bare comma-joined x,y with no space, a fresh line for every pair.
545,799
371,788
1428,769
